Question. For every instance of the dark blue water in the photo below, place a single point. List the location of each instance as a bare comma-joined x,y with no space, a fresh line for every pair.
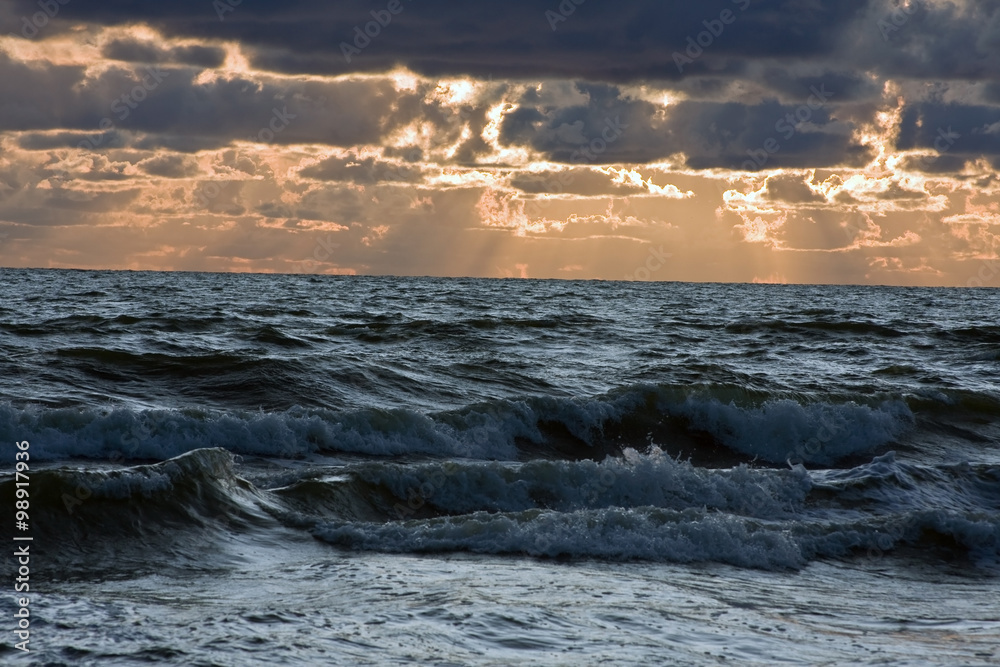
773,429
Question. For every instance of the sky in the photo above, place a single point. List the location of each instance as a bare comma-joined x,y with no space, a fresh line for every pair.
788,141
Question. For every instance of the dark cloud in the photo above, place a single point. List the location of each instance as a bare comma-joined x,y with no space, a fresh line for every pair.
38,141
620,41
928,40
785,47
846,86
897,193
166,107
573,181
753,66
952,130
91,202
791,188
152,53
609,129
935,164
170,166
366,171
512,39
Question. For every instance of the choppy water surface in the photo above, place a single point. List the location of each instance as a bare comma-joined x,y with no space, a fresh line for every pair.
372,470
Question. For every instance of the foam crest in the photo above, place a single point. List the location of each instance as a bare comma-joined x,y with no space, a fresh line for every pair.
162,434
773,430
613,533
783,429
651,479
691,535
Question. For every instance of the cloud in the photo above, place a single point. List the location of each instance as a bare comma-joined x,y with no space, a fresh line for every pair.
791,188
809,139
169,166
149,52
368,170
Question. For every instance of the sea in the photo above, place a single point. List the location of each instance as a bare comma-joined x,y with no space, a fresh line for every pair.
247,469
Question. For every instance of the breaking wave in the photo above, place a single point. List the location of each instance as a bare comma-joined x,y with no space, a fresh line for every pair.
711,423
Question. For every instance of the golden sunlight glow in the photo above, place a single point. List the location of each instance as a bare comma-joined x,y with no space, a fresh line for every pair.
634,178
506,211
453,93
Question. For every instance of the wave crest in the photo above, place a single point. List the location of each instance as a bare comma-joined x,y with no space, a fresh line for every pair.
715,424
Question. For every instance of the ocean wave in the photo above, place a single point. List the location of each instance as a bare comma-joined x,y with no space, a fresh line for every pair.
882,487
397,328
613,533
976,334
109,361
71,506
650,507
639,507
955,403
635,479
896,486
839,326
683,536
683,420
